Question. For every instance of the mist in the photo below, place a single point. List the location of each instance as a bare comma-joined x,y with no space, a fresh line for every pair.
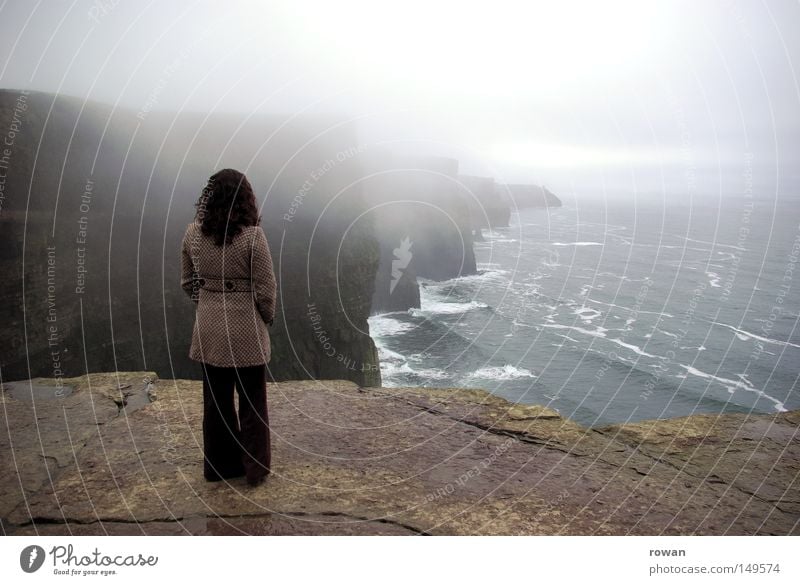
612,99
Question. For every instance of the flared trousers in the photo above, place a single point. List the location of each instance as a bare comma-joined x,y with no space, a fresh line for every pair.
235,444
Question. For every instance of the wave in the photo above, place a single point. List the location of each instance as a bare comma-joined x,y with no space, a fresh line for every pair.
394,374
587,314
668,333
396,369
390,373
713,279
482,274
578,244
732,385
432,307
506,372
601,333
641,311
383,326
747,336
387,355
492,237
598,332
634,348
626,366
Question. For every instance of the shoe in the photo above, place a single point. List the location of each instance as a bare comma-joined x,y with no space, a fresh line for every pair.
213,476
256,481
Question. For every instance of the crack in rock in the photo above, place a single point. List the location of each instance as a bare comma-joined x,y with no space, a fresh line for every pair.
177,519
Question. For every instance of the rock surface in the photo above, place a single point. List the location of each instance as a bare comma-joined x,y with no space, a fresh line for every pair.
353,460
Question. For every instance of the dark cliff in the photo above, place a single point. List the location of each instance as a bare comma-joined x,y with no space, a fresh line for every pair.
486,209
422,223
95,203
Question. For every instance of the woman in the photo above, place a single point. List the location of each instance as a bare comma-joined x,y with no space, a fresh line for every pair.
227,271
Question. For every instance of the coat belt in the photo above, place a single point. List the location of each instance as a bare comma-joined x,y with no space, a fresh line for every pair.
224,285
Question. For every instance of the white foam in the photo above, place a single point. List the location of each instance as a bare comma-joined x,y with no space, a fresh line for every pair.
630,309
670,333
488,274
732,385
383,326
432,307
713,279
601,332
577,243
568,338
392,370
746,335
587,314
387,355
698,348
633,348
493,237
389,370
506,372
598,332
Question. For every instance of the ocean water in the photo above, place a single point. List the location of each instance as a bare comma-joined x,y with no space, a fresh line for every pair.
613,311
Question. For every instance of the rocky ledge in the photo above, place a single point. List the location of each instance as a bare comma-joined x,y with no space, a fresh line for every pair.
113,454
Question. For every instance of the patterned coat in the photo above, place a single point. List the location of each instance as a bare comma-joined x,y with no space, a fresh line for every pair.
235,292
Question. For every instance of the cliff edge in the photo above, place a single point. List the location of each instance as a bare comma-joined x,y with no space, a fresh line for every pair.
121,453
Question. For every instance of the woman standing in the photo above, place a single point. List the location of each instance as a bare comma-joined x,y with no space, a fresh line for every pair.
227,271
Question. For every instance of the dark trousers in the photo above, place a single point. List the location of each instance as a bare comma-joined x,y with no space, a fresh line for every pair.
235,445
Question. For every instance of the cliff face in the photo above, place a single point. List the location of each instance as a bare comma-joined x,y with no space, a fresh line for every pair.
321,327
490,204
112,454
91,238
422,223
486,209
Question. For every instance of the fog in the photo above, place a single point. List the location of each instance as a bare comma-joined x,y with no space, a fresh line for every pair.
604,99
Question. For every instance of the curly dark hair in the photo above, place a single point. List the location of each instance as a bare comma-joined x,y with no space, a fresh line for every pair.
226,205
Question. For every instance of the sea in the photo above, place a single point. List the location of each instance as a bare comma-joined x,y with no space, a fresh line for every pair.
617,311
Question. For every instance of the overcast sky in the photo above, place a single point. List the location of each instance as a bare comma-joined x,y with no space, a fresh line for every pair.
572,94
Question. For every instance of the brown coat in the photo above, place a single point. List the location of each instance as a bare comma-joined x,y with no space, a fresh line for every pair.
235,291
